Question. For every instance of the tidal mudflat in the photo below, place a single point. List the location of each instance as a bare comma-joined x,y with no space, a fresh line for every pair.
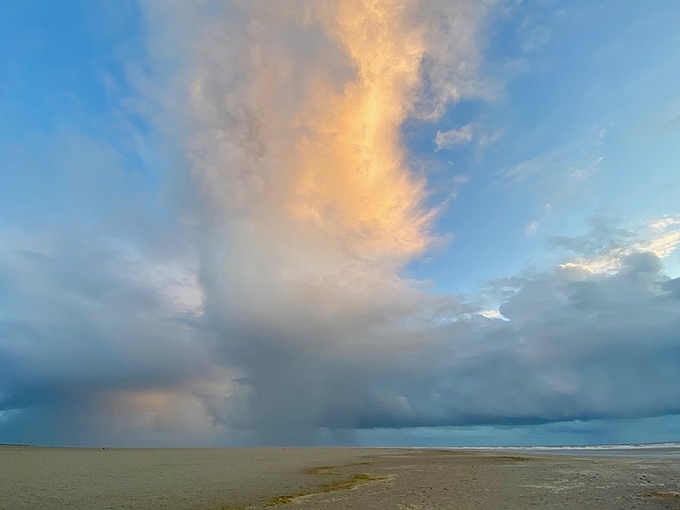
330,478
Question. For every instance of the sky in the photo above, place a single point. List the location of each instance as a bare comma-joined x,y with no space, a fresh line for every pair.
339,222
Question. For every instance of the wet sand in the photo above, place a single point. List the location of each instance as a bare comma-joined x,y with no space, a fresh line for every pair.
330,478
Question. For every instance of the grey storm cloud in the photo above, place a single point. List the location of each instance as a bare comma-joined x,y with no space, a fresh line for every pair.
570,347
84,320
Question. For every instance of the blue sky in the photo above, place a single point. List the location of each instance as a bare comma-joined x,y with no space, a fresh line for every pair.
233,223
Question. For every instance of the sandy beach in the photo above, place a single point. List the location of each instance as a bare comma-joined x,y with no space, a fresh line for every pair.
330,478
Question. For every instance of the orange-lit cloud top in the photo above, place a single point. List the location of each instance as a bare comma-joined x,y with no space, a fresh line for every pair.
298,115
349,172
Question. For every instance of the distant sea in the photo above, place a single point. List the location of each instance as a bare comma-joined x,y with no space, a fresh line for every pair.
671,449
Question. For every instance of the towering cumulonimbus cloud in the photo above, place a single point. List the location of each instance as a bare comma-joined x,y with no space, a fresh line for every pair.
296,113
297,110
294,142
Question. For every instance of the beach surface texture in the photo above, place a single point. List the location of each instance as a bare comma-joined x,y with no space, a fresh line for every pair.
330,478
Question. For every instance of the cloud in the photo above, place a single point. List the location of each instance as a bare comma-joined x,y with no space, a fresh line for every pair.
564,168
125,350
453,137
570,348
84,319
563,345
294,140
531,228
608,246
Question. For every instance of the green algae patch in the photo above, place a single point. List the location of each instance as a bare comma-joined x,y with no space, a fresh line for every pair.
352,482
285,499
322,470
664,495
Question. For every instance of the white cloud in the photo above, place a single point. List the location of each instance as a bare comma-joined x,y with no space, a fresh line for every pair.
665,223
658,237
491,314
531,229
449,139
